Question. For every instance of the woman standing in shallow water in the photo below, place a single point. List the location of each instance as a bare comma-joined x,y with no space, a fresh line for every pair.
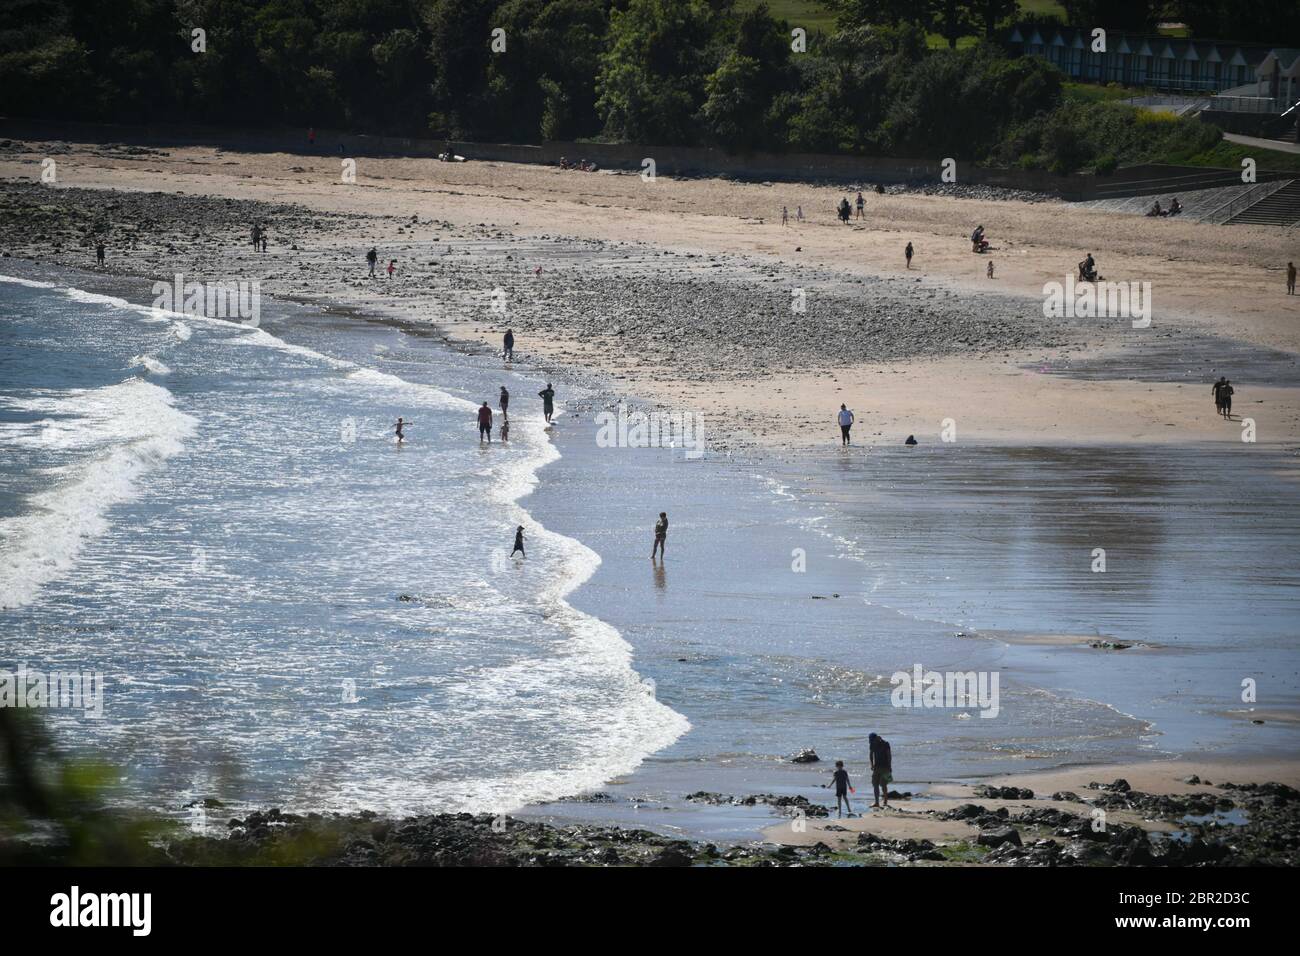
661,535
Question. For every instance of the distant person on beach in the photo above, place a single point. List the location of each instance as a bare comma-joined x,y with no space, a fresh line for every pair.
860,203
1290,277
547,396
785,215
509,345
485,423
882,767
909,252
989,270
661,535
844,210
311,138
503,402
1217,389
505,429
99,258
519,542
398,429
840,779
1226,393
846,422
257,237
372,257
798,213
392,267
264,240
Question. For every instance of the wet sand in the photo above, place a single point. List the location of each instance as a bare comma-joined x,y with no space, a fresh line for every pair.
672,298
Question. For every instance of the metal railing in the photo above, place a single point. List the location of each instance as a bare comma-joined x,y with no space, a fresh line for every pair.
1250,197
1246,104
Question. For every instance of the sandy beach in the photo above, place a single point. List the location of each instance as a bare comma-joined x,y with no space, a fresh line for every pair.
679,293
906,349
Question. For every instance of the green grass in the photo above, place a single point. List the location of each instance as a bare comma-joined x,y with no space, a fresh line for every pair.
1094,93
1228,155
813,16
809,14
1043,7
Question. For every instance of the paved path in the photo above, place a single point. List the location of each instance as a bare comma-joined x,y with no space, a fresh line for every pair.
1278,145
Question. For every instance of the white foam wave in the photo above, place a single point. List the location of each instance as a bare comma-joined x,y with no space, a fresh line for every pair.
151,364
136,428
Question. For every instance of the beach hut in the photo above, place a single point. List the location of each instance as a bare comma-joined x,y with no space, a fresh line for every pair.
1279,75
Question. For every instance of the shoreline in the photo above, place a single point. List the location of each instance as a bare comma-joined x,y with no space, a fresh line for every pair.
893,837
564,354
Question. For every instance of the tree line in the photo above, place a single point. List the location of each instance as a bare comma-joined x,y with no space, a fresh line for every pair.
666,72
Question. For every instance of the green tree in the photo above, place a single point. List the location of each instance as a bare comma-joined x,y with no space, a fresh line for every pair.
652,74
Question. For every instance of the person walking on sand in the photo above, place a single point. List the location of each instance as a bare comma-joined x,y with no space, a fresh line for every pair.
398,429
1290,278
257,237
785,215
392,267
503,402
840,779
485,424
908,252
547,396
264,241
519,542
99,255
661,535
372,257
798,213
846,422
860,202
882,767
509,344
989,270
1226,393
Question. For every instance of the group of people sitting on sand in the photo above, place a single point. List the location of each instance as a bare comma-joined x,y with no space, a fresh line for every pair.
581,165
1174,209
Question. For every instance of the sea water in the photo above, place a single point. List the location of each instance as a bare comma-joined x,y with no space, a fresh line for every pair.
288,606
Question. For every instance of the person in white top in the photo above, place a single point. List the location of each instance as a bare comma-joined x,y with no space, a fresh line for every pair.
846,422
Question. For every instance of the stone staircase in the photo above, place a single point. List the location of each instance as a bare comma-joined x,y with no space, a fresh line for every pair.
1280,208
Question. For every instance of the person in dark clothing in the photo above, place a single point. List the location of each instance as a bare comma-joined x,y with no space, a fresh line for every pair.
882,767
485,423
1226,394
509,345
504,402
840,779
548,402
99,253
1217,389
257,238
372,257
1290,278
661,535
519,542
908,252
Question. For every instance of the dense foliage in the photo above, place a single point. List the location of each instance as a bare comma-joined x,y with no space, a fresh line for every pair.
671,72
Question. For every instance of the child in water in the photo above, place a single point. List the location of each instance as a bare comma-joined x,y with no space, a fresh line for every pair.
397,427
840,778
